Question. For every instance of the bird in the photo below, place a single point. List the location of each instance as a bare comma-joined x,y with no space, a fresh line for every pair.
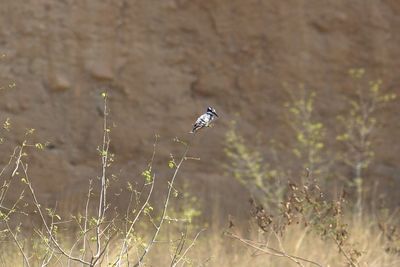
205,119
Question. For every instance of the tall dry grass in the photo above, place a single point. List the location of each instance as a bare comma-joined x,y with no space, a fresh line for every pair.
216,249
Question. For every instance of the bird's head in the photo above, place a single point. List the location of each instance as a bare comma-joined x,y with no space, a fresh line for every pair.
212,110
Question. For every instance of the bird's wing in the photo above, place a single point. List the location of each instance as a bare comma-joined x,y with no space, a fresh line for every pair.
201,120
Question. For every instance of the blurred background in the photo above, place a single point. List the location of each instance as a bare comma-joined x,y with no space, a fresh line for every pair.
164,62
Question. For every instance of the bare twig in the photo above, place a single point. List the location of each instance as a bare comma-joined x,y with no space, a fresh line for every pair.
14,236
179,247
344,253
164,212
85,224
284,252
103,190
6,184
132,224
173,264
47,228
271,251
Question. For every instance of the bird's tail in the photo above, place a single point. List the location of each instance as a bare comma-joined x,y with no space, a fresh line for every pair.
195,128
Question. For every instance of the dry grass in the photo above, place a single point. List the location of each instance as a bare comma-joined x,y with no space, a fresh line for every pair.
217,249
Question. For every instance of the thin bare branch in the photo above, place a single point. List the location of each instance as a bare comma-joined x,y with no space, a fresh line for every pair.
132,224
187,249
14,236
275,252
164,212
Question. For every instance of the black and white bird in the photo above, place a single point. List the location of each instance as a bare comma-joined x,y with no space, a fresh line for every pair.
205,119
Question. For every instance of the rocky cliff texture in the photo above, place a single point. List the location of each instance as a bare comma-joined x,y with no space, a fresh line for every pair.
163,62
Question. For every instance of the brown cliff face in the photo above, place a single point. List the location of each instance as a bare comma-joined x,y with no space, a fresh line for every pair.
164,62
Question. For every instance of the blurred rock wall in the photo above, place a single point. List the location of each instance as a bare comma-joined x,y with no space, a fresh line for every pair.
164,61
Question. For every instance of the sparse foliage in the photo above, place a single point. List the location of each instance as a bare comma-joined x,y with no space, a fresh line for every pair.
358,129
98,227
309,132
248,166
304,203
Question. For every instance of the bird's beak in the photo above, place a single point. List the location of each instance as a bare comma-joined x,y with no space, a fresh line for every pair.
216,114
